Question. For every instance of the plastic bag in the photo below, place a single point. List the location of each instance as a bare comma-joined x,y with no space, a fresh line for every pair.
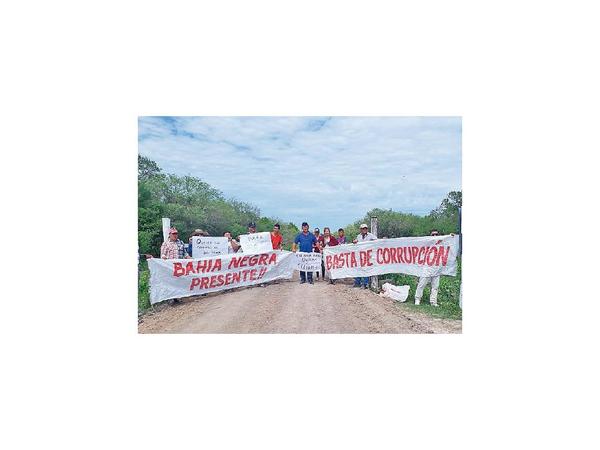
398,293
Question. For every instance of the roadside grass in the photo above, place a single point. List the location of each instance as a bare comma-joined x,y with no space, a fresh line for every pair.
143,287
448,294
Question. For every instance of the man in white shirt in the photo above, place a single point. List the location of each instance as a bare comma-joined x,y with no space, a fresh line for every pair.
435,284
364,236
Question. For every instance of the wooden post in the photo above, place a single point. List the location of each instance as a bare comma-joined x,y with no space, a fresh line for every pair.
374,279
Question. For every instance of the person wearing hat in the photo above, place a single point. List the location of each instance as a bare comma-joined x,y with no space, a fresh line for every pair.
364,236
251,228
197,232
173,248
305,242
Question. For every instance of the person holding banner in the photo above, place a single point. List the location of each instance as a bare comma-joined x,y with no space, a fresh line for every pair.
173,248
277,237
423,281
364,236
327,240
197,232
233,246
304,241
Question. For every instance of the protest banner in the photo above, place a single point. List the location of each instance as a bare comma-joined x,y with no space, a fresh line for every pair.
204,246
308,262
175,278
256,242
425,256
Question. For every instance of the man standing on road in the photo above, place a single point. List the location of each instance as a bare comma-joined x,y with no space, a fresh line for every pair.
364,236
423,281
305,241
174,248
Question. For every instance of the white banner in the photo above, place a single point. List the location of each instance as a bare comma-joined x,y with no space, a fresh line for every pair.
421,256
204,246
308,262
256,242
175,278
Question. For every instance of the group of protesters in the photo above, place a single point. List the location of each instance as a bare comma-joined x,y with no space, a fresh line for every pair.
305,241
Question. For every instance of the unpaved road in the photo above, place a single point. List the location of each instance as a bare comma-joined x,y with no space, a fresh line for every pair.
289,307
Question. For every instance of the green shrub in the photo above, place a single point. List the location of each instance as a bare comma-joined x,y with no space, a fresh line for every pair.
143,290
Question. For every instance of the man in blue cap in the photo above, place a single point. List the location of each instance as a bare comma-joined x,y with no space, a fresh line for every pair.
305,242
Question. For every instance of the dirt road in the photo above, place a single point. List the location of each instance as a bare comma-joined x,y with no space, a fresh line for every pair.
289,307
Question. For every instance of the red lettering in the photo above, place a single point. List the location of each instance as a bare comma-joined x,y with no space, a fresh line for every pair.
380,257
178,270
399,255
443,256
218,265
262,272
195,282
328,262
235,277
189,267
415,253
432,251
353,262
253,260
421,256
407,255
253,275
369,257
273,258
263,259
204,283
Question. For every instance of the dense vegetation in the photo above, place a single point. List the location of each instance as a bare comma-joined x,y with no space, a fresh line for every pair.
191,203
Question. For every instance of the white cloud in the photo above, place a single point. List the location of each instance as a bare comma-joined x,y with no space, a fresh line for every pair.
328,171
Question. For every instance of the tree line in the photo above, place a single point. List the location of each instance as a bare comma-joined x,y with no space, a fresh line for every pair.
191,203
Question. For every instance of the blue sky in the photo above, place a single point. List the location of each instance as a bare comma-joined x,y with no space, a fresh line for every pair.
328,171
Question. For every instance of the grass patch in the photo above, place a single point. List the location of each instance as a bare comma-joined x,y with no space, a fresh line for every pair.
448,294
143,289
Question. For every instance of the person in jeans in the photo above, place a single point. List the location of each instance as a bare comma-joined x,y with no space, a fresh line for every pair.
364,236
304,242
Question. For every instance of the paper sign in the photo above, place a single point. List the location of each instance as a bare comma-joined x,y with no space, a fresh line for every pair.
256,242
203,246
308,262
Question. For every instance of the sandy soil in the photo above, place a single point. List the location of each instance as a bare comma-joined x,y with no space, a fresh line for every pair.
289,307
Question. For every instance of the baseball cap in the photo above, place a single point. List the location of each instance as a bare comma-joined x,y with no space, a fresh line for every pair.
317,229
364,225
304,224
251,225
173,230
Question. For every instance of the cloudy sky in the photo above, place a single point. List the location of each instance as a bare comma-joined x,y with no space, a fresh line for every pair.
328,171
